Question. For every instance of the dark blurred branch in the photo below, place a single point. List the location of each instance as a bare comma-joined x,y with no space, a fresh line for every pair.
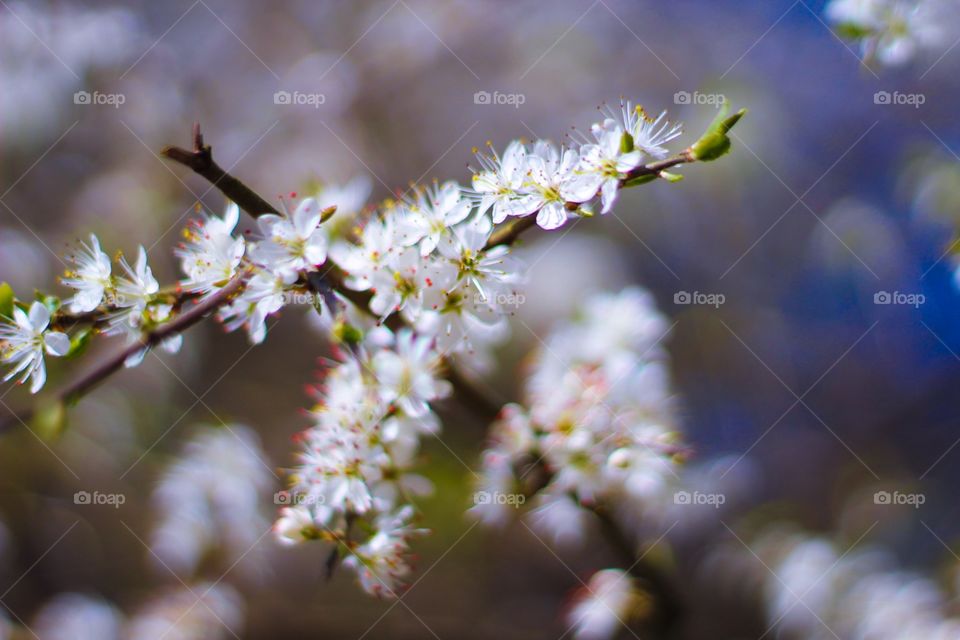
200,159
668,605
152,338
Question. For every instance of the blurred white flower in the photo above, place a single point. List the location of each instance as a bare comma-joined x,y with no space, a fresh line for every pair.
603,605
72,616
201,611
212,497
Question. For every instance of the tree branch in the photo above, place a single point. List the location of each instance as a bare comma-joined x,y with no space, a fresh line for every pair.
200,159
150,339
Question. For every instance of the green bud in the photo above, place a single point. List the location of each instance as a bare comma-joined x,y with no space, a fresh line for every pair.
79,342
6,300
626,143
715,143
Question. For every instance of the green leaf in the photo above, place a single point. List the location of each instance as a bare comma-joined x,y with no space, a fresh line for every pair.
50,420
79,342
6,300
715,143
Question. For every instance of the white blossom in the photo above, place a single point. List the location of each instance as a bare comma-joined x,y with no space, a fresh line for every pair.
382,562
24,342
497,186
605,163
211,255
292,242
90,277
430,213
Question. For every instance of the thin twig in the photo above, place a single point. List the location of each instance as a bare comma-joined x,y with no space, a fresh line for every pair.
200,159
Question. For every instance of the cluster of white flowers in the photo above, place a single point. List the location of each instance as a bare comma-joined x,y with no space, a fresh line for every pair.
598,418
424,257
558,184
372,409
426,265
212,497
896,31
818,590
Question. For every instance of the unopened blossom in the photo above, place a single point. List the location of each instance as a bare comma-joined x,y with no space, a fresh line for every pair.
603,605
24,342
90,276
211,254
430,213
292,242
